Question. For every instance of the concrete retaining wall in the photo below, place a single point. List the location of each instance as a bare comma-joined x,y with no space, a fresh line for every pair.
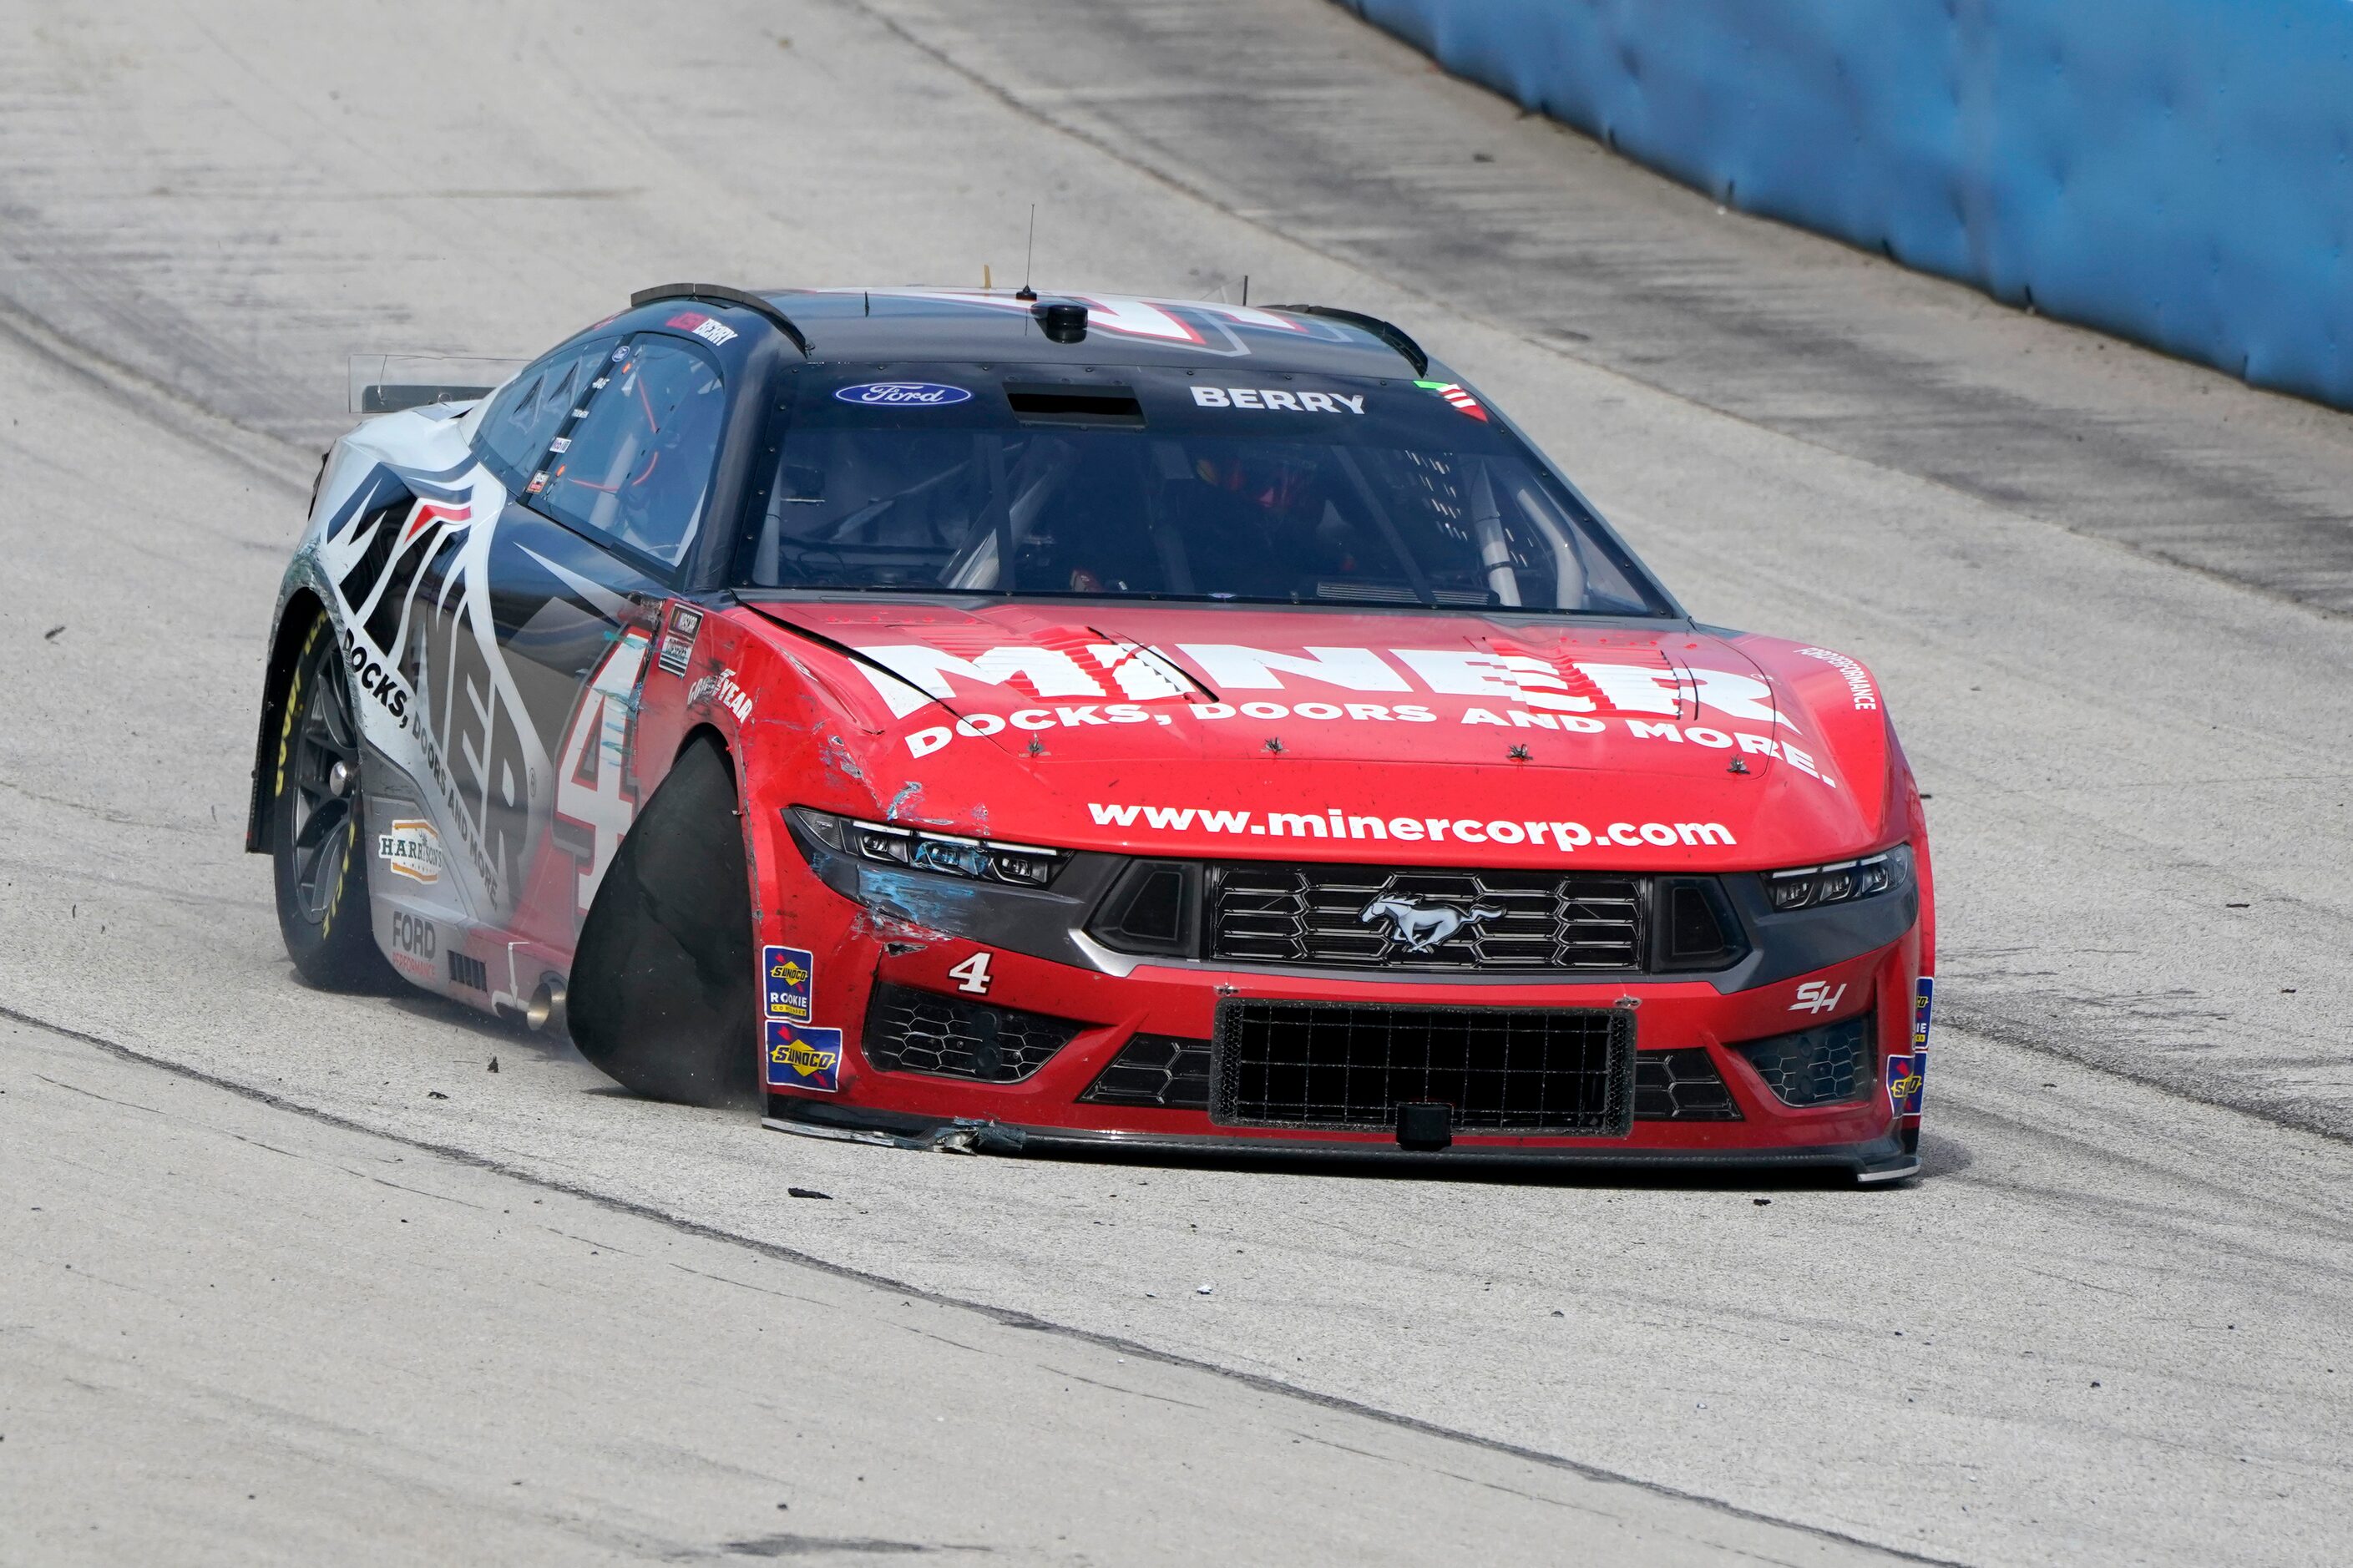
2172,171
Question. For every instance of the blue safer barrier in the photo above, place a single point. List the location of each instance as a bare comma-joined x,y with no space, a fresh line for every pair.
2174,170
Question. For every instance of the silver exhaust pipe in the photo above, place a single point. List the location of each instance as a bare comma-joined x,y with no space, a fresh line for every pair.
546,1009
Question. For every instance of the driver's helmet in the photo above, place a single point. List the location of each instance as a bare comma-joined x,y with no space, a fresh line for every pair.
1272,482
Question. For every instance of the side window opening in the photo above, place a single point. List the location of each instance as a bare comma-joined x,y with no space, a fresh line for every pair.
637,469
521,422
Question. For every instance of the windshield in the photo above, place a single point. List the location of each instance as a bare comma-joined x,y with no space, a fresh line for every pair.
1152,483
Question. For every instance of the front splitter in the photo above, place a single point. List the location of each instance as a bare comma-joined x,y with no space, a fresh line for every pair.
1874,1164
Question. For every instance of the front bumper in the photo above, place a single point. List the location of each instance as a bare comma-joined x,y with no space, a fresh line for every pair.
1872,1135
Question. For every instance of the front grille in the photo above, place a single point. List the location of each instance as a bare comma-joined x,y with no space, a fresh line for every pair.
1164,1070
1368,917
1680,1086
918,1031
1346,1065
1822,1065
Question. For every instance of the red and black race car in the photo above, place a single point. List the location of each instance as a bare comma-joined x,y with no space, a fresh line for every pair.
963,718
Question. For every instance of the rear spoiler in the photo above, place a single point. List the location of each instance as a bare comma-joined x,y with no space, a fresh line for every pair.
1387,332
385,383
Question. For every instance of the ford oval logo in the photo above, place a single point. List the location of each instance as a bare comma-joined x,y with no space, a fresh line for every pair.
904,394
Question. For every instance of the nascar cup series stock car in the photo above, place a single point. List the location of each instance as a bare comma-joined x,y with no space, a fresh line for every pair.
966,718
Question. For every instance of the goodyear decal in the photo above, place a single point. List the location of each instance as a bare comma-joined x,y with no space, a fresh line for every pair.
788,975
801,1058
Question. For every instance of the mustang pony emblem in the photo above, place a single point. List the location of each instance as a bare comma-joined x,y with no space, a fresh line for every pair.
1423,926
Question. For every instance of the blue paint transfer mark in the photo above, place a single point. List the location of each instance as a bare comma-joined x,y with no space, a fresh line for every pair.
838,757
940,904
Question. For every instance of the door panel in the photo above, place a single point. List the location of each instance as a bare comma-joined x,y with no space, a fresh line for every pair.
574,623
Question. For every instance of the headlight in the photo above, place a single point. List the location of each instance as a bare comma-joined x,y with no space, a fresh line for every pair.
977,859
1840,882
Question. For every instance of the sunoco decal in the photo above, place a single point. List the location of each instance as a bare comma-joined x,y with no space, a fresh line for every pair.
1924,998
1906,1075
786,977
802,1057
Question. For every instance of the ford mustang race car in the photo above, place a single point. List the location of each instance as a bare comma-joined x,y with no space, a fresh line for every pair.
968,718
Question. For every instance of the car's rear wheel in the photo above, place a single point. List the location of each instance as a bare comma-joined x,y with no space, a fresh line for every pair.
661,993
317,836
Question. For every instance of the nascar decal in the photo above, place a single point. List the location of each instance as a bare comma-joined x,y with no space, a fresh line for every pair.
595,797
801,1058
788,978
1453,392
411,850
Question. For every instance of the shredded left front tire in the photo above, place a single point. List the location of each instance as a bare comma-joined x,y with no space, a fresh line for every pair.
662,983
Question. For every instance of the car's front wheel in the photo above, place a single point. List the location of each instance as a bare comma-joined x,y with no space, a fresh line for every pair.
662,984
318,843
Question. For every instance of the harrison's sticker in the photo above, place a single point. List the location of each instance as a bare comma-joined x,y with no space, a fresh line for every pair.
677,643
803,1058
788,975
411,850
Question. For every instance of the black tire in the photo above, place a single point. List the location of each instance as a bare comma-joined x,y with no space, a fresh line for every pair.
317,827
661,989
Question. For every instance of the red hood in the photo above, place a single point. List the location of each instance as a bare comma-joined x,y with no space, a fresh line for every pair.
1050,722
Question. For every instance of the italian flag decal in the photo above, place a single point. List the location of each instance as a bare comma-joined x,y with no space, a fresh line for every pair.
1452,392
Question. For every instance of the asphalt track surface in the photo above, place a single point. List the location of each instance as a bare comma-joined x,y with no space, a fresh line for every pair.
2106,593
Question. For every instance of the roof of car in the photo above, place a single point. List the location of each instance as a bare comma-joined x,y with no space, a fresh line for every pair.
870,325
